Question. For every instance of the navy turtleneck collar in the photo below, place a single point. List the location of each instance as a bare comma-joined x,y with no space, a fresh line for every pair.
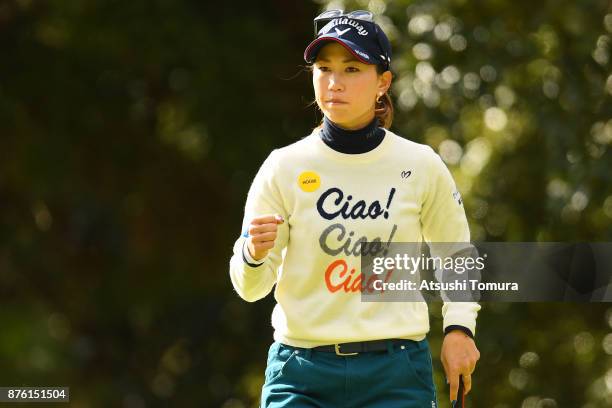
351,141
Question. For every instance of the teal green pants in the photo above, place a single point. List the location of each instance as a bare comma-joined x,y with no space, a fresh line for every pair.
400,377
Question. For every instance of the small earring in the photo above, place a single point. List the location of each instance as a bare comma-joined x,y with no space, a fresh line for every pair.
378,98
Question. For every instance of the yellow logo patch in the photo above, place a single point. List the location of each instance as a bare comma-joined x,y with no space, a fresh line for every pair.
309,181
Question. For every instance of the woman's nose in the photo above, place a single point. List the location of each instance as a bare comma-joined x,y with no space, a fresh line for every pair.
334,83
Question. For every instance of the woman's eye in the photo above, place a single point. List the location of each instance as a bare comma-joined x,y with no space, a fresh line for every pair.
328,69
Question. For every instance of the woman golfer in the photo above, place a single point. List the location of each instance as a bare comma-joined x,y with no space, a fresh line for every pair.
310,209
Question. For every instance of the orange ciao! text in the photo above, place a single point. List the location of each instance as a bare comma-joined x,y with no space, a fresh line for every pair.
339,278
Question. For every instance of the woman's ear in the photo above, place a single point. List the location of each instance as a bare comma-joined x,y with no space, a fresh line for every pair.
384,82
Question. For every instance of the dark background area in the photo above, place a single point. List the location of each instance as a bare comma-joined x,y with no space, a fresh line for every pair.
130,133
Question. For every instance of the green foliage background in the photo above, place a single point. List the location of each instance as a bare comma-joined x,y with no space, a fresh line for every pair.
130,132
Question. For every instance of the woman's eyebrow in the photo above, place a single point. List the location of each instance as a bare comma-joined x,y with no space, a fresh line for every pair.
350,59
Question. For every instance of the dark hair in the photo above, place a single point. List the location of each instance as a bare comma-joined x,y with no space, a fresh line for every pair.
383,110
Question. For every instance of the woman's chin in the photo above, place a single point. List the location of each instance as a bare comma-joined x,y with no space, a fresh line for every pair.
336,116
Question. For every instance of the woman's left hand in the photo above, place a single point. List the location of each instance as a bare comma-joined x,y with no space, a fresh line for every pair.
459,356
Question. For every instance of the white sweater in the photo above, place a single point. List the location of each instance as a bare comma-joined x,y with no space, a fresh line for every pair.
400,191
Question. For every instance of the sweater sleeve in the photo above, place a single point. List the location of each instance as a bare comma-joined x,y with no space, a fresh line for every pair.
254,281
443,220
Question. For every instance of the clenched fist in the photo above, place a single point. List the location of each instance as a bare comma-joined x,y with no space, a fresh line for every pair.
262,234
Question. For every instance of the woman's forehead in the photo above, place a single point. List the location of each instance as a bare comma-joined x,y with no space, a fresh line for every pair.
333,50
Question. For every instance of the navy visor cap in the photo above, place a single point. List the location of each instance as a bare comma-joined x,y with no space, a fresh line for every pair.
364,39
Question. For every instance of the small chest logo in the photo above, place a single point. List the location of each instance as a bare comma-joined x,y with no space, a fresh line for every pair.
309,181
406,174
457,197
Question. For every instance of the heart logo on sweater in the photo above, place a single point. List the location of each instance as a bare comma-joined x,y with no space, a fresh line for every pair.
406,174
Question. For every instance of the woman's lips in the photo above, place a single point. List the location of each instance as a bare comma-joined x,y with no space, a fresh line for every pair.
336,102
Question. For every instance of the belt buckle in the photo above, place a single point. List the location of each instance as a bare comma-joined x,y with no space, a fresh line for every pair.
339,353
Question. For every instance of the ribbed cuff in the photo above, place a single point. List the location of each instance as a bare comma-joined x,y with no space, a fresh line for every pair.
464,329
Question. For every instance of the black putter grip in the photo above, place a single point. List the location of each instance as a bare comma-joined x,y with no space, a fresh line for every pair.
460,397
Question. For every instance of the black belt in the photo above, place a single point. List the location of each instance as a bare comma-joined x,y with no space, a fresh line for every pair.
348,349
